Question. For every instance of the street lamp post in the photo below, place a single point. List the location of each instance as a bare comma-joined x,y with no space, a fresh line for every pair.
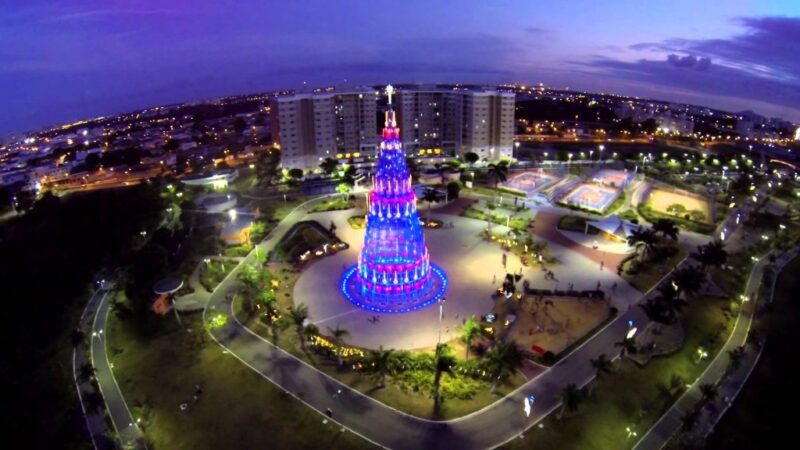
441,316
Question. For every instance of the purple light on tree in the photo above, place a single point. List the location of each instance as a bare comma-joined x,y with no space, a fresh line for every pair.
394,272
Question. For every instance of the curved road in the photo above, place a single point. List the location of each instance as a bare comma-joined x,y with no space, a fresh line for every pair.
494,425
376,422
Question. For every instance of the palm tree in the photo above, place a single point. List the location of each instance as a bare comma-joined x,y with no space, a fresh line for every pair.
78,337
430,195
644,240
628,345
310,331
735,359
382,362
469,331
501,361
298,315
665,307
444,361
712,254
86,372
571,398
269,302
498,172
248,277
667,228
328,165
688,280
337,336
602,366
689,419
343,188
93,401
709,392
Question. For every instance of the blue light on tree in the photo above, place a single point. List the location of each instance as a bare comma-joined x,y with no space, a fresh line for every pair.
394,272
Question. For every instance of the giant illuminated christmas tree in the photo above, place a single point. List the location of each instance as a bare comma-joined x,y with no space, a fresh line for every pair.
394,272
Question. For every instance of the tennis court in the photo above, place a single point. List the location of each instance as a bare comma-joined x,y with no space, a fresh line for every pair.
614,178
592,196
530,182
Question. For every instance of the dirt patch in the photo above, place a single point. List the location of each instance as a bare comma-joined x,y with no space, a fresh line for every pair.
661,199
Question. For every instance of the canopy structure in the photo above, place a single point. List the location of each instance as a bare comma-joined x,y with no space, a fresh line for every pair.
613,226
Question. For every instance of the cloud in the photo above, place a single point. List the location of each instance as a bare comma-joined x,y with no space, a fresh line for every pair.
760,65
767,48
689,61
536,30
79,16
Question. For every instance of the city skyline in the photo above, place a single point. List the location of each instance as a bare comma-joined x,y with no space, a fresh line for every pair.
92,58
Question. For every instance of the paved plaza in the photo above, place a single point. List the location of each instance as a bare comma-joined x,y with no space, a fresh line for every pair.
472,264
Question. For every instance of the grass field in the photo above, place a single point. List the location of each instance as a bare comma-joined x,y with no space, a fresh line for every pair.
652,272
237,409
633,396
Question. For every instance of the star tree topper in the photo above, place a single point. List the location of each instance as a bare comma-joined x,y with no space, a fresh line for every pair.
389,92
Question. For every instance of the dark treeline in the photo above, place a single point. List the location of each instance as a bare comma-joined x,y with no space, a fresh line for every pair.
48,260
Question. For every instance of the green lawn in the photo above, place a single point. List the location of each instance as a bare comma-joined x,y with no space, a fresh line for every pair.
334,204
491,191
632,396
652,272
517,223
238,408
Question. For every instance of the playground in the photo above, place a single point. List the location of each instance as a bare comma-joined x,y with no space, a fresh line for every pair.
542,324
661,200
592,196
531,181
613,178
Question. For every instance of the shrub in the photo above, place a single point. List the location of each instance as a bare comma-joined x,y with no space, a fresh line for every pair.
453,189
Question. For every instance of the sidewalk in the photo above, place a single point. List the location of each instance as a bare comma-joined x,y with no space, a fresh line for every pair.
672,420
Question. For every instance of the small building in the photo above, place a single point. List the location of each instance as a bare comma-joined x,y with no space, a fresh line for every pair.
613,228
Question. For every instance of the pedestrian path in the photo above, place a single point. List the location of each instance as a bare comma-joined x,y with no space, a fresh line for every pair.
716,373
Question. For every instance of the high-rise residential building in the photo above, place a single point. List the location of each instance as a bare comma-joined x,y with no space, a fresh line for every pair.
436,121
433,121
310,127
489,124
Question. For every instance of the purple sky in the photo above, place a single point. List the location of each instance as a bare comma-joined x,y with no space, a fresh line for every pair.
67,60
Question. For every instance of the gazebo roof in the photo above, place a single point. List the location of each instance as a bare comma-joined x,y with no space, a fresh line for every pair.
614,225
167,285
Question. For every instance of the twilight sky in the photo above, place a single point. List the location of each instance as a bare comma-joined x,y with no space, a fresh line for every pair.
62,60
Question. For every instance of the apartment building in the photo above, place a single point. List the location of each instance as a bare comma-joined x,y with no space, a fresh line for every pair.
311,127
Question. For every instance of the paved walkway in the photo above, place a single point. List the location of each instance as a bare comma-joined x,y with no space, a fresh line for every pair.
671,422
546,227
96,425
122,419
394,429
198,299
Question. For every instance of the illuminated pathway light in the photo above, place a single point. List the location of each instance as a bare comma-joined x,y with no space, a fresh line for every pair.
394,273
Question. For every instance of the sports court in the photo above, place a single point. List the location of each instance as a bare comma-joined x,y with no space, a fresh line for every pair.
531,181
592,196
661,199
614,178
